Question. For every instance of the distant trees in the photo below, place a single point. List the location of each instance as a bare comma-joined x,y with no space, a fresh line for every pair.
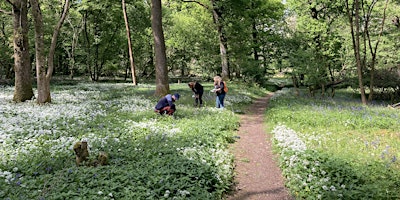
184,39
341,40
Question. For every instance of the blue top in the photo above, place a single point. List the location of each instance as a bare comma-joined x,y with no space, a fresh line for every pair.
165,101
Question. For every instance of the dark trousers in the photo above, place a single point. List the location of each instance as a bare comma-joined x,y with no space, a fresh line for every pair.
198,99
169,110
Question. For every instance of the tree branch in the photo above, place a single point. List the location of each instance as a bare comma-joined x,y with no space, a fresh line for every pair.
201,4
10,2
54,39
5,12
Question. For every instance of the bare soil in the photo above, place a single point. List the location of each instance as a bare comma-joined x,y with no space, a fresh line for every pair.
257,173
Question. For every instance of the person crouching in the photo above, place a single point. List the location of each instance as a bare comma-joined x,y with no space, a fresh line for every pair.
166,104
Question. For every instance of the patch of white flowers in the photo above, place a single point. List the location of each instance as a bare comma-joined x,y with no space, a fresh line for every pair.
27,127
287,139
236,99
219,157
298,170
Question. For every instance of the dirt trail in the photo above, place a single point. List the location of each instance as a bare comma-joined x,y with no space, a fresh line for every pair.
257,173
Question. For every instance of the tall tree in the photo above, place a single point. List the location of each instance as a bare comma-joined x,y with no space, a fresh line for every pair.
130,51
44,72
162,86
71,43
353,13
217,11
373,48
22,65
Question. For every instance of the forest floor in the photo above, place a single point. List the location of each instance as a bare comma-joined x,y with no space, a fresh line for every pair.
257,175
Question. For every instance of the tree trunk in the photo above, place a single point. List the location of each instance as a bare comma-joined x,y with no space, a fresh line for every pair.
223,42
128,35
162,86
356,44
22,64
373,51
71,52
43,85
223,47
255,41
44,72
88,47
358,57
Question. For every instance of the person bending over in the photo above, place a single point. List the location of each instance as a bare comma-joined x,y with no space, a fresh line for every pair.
166,104
198,90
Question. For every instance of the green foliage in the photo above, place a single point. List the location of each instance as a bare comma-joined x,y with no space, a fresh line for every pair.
184,156
348,151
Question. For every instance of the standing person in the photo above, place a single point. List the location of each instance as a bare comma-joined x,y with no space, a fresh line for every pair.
219,90
198,91
166,104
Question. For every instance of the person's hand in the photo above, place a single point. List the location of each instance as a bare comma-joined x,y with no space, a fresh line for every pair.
213,90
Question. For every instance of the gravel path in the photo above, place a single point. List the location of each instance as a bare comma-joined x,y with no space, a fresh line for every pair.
257,173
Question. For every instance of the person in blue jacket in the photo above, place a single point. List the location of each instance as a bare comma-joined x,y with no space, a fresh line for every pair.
166,104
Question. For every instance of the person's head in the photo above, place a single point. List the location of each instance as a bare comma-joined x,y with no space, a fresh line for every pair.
191,84
175,96
217,79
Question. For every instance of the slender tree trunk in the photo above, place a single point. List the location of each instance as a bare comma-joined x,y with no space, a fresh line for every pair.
71,52
356,44
88,48
22,64
128,35
255,41
373,51
223,44
44,73
162,86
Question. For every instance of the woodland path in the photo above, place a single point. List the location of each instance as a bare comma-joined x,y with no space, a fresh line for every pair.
258,176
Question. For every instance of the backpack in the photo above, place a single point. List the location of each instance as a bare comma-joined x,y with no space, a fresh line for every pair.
225,87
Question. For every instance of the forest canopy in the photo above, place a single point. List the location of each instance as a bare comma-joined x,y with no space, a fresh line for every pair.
319,44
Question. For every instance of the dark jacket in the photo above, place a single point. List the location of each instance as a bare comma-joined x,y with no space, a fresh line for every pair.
165,101
198,88
221,85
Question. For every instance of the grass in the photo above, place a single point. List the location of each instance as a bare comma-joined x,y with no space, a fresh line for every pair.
332,148
336,148
150,156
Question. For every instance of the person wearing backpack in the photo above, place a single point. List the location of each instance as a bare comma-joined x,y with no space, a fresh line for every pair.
220,90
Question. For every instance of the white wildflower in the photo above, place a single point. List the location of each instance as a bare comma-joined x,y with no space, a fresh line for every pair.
166,194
